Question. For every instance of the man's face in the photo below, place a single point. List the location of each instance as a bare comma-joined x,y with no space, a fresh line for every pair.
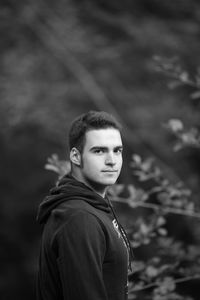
101,157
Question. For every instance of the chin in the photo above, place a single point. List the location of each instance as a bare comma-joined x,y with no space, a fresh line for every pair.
109,181
101,182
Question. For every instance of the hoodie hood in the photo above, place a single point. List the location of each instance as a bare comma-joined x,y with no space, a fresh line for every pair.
69,188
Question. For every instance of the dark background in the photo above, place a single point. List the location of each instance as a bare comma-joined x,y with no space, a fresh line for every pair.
62,58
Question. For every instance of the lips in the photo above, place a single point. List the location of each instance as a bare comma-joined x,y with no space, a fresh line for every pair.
109,171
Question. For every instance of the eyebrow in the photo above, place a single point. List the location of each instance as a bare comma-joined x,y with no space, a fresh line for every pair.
105,148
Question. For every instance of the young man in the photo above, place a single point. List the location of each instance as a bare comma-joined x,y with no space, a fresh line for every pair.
84,250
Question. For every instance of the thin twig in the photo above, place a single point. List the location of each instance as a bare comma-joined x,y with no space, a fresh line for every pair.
180,280
177,77
157,207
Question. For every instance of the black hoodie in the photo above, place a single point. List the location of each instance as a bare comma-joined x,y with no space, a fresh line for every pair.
83,253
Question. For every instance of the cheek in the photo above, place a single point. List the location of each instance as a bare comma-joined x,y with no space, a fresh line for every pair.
91,165
120,161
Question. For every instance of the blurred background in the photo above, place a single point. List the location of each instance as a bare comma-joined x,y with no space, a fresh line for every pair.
62,58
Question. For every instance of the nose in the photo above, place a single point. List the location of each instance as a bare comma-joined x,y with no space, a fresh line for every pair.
110,159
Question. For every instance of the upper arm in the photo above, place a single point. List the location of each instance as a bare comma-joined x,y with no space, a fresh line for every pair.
81,250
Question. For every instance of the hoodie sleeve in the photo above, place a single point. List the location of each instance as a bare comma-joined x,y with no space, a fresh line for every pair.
81,243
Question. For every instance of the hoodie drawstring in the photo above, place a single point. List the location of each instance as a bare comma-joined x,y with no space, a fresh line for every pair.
124,236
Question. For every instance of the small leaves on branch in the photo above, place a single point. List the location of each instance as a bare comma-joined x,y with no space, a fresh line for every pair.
185,137
172,68
168,194
61,167
145,230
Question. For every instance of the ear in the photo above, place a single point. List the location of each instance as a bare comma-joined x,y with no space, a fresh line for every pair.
75,156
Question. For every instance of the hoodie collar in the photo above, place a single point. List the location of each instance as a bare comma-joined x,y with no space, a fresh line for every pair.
68,188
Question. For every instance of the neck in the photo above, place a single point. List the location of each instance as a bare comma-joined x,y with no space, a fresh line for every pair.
100,190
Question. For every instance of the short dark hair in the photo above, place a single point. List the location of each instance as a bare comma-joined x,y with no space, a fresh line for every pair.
88,121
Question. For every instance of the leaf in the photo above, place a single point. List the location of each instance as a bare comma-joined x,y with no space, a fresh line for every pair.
173,84
161,221
195,95
116,190
61,167
137,159
166,285
151,271
162,231
175,125
144,229
184,76
178,147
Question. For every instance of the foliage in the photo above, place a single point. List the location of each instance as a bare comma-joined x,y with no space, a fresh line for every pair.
61,167
180,77
172,68
185,137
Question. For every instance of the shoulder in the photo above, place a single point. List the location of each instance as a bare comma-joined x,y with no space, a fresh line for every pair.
81,221
83,230
77,213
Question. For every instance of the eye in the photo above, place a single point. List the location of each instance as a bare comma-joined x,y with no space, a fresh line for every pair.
98,151
119,151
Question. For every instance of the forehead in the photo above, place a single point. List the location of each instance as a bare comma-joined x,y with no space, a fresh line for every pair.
109,137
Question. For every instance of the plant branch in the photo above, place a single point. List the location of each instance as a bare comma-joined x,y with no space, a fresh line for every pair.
151,285
157,207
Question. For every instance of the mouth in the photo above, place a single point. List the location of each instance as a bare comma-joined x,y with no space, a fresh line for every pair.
109,171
